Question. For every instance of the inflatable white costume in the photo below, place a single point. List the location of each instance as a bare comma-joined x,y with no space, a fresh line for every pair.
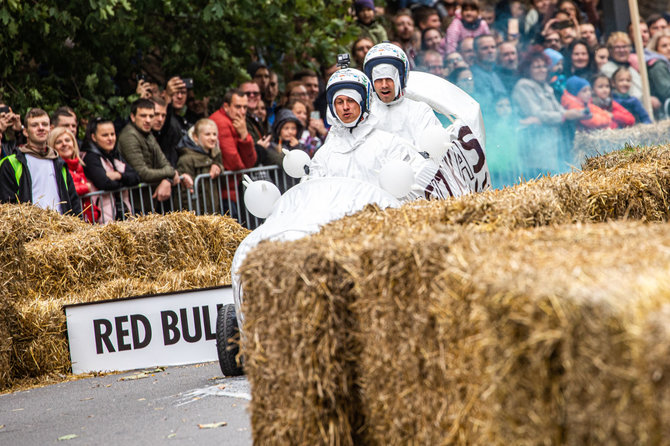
359,149
347,171
408,111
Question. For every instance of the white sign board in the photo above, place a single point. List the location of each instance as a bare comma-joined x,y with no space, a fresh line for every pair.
147,331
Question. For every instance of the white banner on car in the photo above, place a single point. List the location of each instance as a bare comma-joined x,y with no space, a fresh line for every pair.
145,331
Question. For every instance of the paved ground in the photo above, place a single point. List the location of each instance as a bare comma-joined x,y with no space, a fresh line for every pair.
177,405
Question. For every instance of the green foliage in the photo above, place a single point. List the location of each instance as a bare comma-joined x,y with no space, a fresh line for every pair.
86,53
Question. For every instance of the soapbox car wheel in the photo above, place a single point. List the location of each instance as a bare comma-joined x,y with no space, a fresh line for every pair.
227,341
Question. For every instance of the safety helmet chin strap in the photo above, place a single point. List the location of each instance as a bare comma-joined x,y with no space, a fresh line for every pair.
356,96
387,71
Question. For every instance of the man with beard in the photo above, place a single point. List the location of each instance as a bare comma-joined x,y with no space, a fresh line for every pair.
403,32
508,62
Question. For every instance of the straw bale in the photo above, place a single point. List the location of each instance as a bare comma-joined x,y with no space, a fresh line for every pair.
543,336
593,143
629,155
142,249
56,260
523,337
632,190
300,355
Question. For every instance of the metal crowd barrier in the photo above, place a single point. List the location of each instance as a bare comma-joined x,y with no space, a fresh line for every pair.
209,196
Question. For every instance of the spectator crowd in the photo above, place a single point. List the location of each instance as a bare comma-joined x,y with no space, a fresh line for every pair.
540,72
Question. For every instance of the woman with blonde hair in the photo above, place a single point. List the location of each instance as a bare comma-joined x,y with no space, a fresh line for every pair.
65,144
199,153
620,47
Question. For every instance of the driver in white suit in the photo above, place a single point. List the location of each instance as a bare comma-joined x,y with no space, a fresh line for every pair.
387,66
356,147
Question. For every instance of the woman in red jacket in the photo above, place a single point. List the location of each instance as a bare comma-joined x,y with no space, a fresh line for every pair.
602,97
577,95
64,142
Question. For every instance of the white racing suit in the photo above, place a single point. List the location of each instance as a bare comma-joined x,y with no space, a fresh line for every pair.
404,117
362,151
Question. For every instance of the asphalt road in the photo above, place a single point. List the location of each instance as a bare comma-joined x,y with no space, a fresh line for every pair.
175,405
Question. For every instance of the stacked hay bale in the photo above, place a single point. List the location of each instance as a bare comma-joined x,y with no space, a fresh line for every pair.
590,144
451,323
516,337
52,261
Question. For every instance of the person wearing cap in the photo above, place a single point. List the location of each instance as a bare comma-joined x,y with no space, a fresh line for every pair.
365,20
555,78
356,147
577,96
388,68
260,74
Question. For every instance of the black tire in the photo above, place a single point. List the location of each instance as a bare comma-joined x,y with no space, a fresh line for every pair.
227,341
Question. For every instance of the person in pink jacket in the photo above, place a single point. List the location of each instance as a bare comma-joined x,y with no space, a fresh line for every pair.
470,24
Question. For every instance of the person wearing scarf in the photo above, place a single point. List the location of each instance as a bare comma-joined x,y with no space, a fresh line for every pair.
35,174
107,171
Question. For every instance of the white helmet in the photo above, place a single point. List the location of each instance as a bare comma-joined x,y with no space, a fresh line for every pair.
387,53
349,78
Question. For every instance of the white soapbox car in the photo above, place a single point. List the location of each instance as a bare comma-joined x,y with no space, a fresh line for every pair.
304,208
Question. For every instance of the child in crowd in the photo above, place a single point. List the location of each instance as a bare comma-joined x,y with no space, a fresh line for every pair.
308,138
577,95
469,24
65,144
622,81
285,133
602,97
556,78
199,153
365,20
601,55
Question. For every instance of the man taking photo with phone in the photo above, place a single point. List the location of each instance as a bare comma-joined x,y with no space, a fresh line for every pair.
176,124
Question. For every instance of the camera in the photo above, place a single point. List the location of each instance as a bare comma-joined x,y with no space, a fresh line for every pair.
141,77
343,60
188,82
4,109
315,115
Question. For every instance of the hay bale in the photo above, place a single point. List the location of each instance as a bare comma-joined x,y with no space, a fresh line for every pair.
53,261
629,155
592,144
541,336
143,249
300,355
631,190
624,190
523,337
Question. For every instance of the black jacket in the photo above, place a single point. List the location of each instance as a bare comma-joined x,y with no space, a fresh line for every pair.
174,129
11,192
96,173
